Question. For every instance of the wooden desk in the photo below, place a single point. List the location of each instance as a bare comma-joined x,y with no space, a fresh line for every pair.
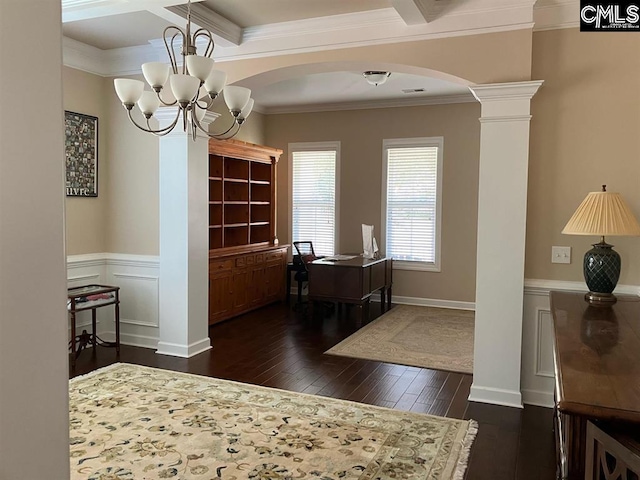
597,369
351,281
91,297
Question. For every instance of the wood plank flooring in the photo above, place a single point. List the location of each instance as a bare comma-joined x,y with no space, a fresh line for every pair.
278,347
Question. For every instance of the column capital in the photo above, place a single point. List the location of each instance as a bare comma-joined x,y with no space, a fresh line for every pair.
166,115
503,101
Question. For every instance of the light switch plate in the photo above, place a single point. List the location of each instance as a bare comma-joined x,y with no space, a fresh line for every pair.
560,254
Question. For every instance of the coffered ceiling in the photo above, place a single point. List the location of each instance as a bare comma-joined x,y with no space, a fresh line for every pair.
112,37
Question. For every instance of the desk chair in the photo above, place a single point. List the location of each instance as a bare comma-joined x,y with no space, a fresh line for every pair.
304,254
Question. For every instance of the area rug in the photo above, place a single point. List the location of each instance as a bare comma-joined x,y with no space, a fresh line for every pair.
438,338
131,422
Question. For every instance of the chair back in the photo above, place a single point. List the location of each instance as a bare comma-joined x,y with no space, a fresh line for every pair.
304,252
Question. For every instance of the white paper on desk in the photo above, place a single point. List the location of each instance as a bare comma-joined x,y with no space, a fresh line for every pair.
369,244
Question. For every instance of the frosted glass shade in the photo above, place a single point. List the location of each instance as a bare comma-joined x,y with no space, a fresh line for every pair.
128,90
148,103
603,214
215,82
200,113
184,87
199,67
156,73
247,109
236,98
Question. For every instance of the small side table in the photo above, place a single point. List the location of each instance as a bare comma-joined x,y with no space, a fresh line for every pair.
92,297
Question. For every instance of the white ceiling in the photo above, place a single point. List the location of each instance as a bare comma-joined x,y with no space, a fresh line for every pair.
130,29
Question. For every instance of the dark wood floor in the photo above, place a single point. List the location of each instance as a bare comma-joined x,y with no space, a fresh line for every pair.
277,347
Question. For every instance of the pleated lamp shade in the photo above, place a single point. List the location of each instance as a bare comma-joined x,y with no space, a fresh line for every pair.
604,214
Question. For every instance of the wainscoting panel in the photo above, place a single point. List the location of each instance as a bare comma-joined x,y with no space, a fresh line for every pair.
138,279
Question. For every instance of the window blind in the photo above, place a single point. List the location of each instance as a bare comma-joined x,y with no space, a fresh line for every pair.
412,179
314,199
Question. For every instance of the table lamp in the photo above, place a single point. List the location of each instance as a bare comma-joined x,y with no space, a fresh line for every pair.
602,213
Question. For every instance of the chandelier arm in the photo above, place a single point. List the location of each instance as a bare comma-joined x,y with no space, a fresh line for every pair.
208,103
210,43
161,131
170,50
217,135
175,102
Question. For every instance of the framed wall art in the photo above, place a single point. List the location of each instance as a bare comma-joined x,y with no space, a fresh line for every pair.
81,154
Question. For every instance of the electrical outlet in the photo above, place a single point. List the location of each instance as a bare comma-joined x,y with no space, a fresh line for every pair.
560,254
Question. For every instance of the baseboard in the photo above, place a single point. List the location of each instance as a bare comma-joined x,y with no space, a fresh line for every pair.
538,398
496,396
184,351
432,302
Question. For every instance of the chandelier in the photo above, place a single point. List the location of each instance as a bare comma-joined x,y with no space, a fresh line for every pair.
193,86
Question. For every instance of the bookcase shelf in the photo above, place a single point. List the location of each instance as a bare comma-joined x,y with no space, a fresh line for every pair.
246,265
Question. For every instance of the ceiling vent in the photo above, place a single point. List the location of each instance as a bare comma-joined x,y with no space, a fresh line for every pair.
413,90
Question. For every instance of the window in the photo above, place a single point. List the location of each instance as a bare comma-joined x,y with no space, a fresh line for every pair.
412,184
314,187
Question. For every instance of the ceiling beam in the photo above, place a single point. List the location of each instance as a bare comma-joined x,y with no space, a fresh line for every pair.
74,10
415,12
227,33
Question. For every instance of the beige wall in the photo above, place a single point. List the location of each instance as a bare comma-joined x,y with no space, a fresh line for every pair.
86,220
133,214
360,133
584,133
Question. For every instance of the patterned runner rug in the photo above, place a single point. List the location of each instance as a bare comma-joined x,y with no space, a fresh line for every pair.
427,337
131,422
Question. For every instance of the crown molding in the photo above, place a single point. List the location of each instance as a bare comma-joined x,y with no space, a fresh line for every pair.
84,57
556,14
403,102
373,27
228,33
74,10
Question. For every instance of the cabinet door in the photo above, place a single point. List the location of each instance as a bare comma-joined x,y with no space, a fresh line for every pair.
274,281
256,286
220,298
240,292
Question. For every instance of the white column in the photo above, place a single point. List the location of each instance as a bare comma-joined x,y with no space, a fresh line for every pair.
502,214
184,240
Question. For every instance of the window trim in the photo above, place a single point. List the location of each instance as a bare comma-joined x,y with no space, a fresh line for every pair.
316,146
414,142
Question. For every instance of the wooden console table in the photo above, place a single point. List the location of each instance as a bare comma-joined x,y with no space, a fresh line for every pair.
351,281
597,369
92,297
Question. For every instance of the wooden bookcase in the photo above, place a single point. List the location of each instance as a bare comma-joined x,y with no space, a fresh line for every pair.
246,264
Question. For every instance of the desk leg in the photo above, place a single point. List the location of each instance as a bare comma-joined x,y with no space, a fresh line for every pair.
389,297
365,310
359,315
288,286
117,315
73,339
382,303
94,341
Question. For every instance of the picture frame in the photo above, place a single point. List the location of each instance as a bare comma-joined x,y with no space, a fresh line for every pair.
81,154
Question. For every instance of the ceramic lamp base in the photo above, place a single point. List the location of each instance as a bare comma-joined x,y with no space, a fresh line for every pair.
600,298
601,272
